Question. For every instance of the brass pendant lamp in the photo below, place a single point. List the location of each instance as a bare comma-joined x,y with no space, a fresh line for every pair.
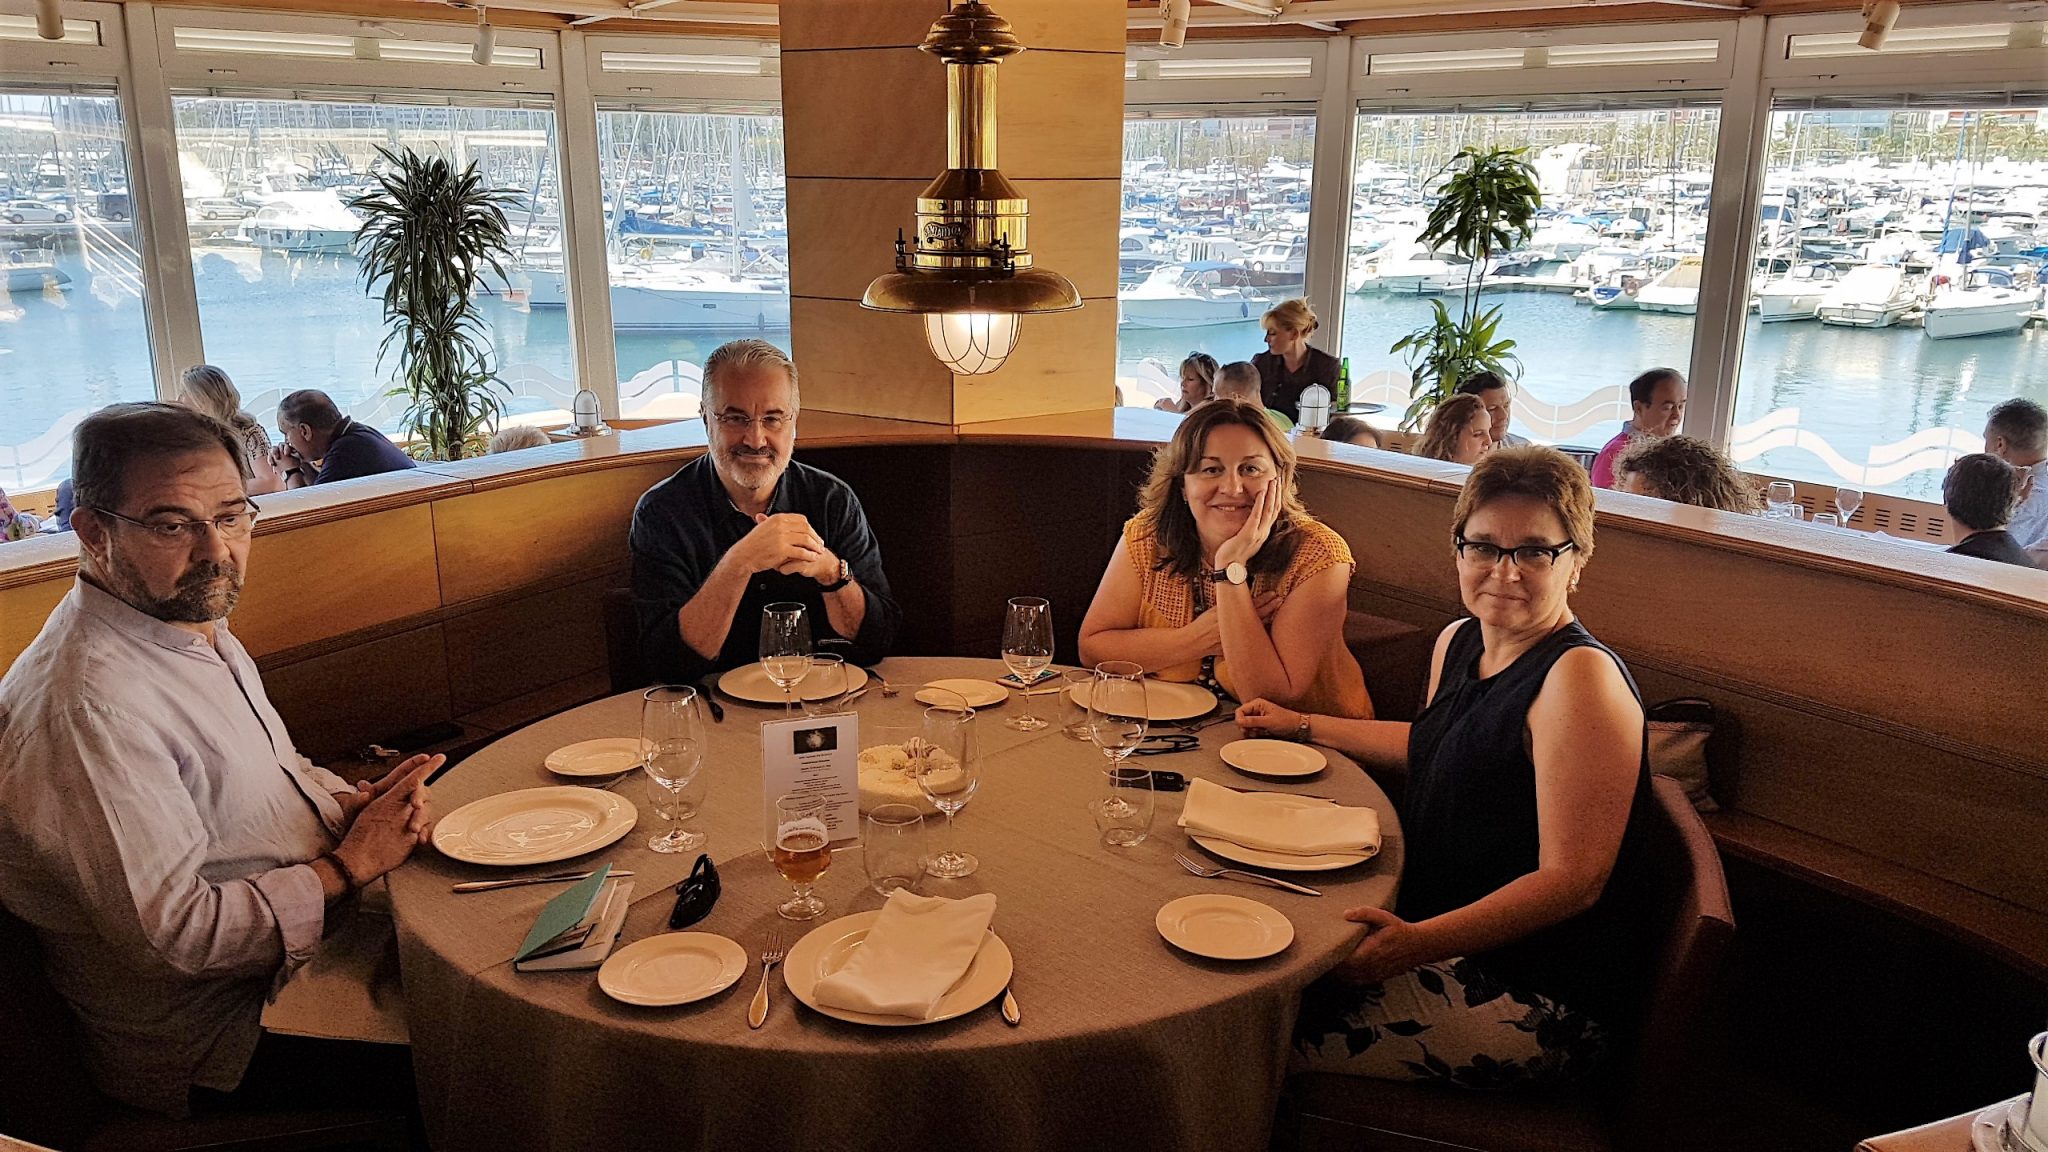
969,271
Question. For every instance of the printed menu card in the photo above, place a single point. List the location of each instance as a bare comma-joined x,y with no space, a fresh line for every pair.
813,756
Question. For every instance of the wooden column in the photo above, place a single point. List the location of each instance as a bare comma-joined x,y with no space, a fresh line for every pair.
864,116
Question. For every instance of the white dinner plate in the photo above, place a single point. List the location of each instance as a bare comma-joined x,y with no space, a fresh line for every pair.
827,948
1224,927
672,968
534,825
1164,699
607,757
1281,861
1273,758
749,683
978,693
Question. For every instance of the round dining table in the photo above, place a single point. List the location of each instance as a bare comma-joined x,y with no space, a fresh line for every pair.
1125,1041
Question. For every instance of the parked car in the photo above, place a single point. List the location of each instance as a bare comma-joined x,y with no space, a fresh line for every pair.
215,208
34,212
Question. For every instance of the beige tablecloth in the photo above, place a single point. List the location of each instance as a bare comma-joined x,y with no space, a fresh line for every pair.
1126,1042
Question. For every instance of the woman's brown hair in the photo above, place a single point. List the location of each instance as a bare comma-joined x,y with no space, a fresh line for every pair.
1542,474
1447,423
1689,471
1163,505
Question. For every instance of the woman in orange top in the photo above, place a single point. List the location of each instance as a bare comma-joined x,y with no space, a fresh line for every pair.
1223,574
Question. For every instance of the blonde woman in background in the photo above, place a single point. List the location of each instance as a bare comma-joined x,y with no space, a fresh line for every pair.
1197,384
1459,431
1289,365
205,388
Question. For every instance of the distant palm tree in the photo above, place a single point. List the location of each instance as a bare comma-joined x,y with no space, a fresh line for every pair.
428,235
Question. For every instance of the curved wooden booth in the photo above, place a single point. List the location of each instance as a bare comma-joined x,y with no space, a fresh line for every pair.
1884,735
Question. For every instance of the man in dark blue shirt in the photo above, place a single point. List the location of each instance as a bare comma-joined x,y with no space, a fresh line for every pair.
314,429
744,526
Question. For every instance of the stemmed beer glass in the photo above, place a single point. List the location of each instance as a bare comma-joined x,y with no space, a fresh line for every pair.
801,853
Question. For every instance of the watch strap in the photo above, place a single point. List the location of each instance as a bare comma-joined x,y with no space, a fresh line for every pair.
845,577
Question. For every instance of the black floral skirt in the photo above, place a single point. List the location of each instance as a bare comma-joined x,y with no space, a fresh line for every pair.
1445,1022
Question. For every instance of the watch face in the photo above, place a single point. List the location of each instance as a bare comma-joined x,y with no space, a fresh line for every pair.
1235,572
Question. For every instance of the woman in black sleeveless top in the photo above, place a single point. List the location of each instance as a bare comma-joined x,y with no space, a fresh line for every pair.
1515,951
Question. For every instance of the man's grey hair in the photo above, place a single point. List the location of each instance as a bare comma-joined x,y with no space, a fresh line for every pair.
740,357
1238,380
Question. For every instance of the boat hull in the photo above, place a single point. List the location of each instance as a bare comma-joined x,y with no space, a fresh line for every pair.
1771,308
643,308
1861,315
1678,302
1189,313
1993,319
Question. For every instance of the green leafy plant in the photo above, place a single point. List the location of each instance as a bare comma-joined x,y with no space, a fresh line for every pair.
1486,205
428,234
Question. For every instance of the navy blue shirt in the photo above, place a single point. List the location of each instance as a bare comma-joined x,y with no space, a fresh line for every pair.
359,450
686,523
1999,546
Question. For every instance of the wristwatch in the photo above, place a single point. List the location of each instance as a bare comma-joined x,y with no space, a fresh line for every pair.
845,577
1234,572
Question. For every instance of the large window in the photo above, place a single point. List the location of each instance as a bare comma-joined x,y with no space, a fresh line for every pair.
282,304
696,247
1607,286
72,333
1896,271
1214,232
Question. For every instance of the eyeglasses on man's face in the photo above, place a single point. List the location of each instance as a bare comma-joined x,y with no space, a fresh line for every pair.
740,422
230,525
1527,557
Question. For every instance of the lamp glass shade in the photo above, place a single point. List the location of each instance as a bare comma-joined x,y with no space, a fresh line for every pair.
971,343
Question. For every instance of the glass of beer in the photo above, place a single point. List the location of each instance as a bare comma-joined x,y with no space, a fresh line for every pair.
801,853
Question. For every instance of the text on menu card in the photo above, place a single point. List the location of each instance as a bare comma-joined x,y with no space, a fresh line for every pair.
813,756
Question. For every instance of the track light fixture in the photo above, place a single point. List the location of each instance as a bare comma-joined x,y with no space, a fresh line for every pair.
1878,18
1174,31
486,38
49,20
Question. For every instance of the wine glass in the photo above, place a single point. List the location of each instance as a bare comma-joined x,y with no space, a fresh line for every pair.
1780,494
947,774
1847,501
672,744
828,681
1027,647
786,648
1117,709
802,852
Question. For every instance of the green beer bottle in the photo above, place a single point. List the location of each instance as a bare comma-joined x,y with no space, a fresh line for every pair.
1341,400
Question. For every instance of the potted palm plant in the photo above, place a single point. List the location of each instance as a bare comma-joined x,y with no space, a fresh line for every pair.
428,234
1487,205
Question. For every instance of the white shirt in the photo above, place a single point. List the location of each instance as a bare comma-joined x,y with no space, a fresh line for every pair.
156,832
2029,523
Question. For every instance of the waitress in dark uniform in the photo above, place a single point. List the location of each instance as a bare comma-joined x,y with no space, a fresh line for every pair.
1517,951
1289,365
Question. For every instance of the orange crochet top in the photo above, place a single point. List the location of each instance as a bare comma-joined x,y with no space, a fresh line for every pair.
1170,601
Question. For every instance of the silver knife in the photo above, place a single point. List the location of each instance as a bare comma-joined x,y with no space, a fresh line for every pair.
556,878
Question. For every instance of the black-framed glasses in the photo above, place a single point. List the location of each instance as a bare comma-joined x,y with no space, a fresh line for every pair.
1527,557
695,895
230,525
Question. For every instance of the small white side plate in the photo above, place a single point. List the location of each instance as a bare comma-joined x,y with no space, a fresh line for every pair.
606,757
672,968
1224,927
978,693
1276,758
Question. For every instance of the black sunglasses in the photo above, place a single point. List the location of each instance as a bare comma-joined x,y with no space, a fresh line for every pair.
695,895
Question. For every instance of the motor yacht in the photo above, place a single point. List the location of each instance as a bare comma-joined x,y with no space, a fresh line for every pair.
1796,295
1676,290
1985,302
1191,296
1873,296
675,296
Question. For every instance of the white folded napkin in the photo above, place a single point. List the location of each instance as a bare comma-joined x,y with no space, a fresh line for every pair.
919,947
1277,825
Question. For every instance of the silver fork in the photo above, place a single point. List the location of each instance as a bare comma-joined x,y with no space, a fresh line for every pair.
757,1011
1240,874
883,681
